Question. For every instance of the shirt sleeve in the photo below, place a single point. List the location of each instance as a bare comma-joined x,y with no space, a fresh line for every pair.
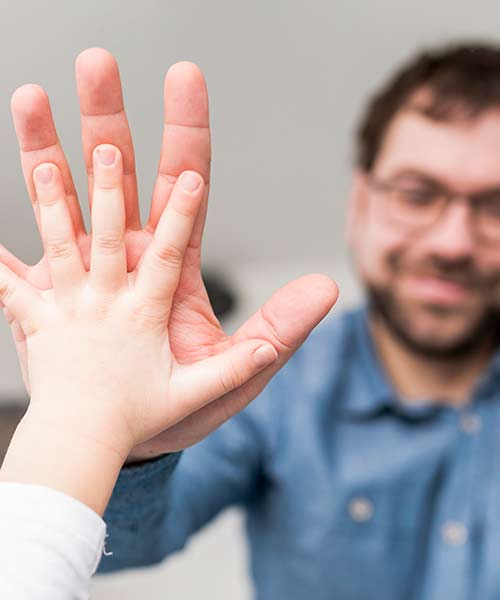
50,544
156,506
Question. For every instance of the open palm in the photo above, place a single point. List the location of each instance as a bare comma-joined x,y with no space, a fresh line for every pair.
195,333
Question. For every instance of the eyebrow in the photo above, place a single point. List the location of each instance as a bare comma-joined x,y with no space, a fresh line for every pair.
430,179
417,175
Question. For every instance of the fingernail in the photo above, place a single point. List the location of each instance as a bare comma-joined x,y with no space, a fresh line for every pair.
106,156
265,355
190,182
44,175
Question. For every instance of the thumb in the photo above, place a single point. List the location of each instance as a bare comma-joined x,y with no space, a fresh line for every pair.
22,302
201,383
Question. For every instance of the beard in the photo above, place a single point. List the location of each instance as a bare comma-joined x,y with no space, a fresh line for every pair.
399,317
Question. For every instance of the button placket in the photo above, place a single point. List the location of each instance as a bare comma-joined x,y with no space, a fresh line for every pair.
361,509
454,533
470,423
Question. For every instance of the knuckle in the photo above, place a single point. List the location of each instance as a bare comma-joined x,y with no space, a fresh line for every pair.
6,291
8,315
48,201
108,241
58,249
234,403
151,313
229,377
25,328
169,256
185,207
106,187
278,339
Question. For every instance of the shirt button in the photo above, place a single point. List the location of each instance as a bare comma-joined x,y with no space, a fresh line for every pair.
470,423
361,509
454,533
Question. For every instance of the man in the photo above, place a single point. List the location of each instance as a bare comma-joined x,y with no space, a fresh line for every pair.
370,465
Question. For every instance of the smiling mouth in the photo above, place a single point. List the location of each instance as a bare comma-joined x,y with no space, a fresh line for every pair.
437,290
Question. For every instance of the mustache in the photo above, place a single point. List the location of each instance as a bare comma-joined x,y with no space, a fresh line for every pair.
461,272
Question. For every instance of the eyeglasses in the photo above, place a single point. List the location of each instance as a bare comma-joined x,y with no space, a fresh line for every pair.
418,205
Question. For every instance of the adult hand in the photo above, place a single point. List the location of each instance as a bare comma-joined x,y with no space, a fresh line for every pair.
194,332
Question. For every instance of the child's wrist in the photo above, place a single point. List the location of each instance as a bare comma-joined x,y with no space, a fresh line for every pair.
96,418
65,455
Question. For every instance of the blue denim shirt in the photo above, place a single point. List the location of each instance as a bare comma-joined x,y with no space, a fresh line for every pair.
348,493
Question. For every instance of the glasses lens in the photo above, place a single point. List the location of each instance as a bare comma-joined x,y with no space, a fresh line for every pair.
415,207
488,217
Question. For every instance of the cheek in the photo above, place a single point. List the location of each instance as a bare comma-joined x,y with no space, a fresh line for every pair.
489,261
375,244
488,264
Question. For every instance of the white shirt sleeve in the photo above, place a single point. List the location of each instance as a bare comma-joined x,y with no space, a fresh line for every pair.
50,544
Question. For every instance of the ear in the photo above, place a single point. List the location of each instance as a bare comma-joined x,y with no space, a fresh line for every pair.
357,201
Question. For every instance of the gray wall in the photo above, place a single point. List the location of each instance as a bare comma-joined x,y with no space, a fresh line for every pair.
286,81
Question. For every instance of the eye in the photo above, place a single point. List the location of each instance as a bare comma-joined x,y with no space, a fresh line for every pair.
417,197
491,206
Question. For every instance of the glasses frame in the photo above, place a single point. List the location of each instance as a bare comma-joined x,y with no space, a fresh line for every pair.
474,202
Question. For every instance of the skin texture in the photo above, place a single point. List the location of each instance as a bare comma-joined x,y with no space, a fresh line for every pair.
285,320
102,371
436,291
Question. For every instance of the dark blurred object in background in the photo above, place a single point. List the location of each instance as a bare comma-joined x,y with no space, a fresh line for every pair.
222,298
10,415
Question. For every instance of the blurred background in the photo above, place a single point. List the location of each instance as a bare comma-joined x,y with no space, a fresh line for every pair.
286,80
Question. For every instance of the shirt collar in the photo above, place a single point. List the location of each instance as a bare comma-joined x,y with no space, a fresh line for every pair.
491,376
373,394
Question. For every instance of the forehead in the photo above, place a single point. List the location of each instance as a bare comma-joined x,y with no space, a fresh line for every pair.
462,154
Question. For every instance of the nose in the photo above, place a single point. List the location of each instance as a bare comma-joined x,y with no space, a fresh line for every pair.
451,237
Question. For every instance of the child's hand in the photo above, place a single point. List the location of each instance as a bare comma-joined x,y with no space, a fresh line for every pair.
98,351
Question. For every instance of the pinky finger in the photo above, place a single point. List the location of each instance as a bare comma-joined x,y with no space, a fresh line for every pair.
22,301
205,381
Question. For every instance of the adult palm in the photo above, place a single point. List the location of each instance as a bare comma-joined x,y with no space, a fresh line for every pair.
194,331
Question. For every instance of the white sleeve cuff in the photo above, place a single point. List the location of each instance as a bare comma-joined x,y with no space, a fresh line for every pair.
50,543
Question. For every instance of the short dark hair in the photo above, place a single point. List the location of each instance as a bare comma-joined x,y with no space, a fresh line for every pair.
463,81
